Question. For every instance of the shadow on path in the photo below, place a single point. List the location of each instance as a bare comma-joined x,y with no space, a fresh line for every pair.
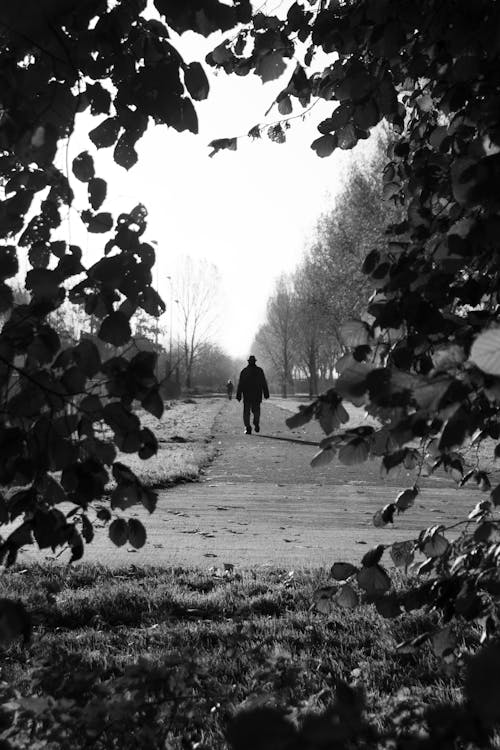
288,440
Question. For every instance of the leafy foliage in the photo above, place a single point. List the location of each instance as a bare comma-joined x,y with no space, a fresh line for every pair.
423,358
66,407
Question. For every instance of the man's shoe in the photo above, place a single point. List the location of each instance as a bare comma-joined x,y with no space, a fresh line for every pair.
248,431
257,428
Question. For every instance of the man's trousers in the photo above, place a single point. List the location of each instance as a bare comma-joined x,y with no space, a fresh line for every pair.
254,407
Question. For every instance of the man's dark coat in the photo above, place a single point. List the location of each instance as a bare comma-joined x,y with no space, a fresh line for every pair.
252,384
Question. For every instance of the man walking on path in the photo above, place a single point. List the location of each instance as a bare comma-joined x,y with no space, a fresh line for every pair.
229,389
252,386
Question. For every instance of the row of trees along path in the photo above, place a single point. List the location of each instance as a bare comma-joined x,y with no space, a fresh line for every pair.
261,503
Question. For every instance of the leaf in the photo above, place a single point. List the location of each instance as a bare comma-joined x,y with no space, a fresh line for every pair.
406,499
196,81
120,420
270,66
371,262
4,511
436,546
331,415
423,568
324,146
74,380
105,134
153,403
388,513
374,580
83,167
347,137
354,452
47,525
103,514
388,606
86,355
402,554
495,495
347,597
323,599
118,532
87,529
455,430
43,282
485,351
220,144
115,329
97,188
76,545
129,442
352,383
20,537
373,556
39,255
149,498
302,417
276,133
125,495
378,519
152,303
285,106
15,621
221,53
323,457
9,264
124,153
136,533
341,571
354,333
123,474
480,510
366,115
98,223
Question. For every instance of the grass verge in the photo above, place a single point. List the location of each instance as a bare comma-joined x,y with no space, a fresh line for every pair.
137,658
184,435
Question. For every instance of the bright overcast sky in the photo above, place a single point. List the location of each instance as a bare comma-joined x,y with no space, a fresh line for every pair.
249,212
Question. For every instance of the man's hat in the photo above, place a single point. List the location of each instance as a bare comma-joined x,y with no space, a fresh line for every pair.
252,358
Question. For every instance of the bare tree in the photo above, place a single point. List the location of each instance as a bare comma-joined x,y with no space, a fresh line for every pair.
311,328
275,340
196,288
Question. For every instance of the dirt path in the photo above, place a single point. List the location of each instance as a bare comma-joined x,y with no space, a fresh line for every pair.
261,503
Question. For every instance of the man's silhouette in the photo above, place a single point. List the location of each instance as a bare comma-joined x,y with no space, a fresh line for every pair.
229,389
252,386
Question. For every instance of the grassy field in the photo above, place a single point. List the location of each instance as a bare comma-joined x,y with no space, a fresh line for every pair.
159,658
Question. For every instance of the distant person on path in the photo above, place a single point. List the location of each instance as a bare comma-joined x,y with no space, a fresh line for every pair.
252,386
230,389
